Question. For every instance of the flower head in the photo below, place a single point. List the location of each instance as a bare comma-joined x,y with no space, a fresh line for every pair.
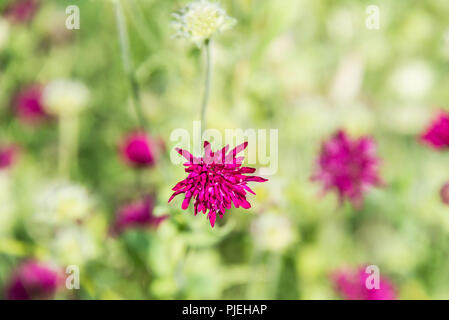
8,156
65,97
75,243
437,134
215,181
137,215
139,150
413,80
28,105
272,232
33,280
21,11
352,285
62,203
348,166
200,20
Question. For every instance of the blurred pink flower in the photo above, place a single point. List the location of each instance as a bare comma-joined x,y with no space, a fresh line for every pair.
437,134
33,280
351,285
349,167
8,156
21,11
215,181
137,215
28,105
138,150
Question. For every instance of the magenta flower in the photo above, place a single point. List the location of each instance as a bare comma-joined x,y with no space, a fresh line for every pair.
349,167
33,280
351,285
137,215
215,181
138,150
8,156
28,105
437,134
21,11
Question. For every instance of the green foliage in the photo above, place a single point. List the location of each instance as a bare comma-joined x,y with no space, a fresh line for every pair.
275,69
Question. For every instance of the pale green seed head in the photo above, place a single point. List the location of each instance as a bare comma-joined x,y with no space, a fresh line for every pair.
200,20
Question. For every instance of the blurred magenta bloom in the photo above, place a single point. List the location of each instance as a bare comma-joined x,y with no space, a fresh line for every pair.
8,156
33,280
349,167
21,11
138,150
351,285
215,181
137,215
28,105
437,134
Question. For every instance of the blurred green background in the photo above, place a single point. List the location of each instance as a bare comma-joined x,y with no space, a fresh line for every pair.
305,67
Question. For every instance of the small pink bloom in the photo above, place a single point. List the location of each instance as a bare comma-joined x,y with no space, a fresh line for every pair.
137,215
21,11
351,285
33,280
350,167
8,156
215,181
138,150
437,134
28,105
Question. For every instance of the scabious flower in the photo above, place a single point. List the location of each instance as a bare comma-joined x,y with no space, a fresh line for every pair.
65,97
351,285
272,232
413,80
139,150
21,11
215,181
200,20
8,156
29,105
61,203
75,244
33,280
137,215
349,167
437,134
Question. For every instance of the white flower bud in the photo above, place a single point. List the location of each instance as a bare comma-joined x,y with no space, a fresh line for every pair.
272,232
65,97
200,20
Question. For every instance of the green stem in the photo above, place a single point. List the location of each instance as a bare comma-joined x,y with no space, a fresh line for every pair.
275,267
127,62
207,47
251,289
68,144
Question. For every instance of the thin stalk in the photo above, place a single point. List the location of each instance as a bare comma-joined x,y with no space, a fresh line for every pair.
68,144
251,289
207,82
127,62
275,267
